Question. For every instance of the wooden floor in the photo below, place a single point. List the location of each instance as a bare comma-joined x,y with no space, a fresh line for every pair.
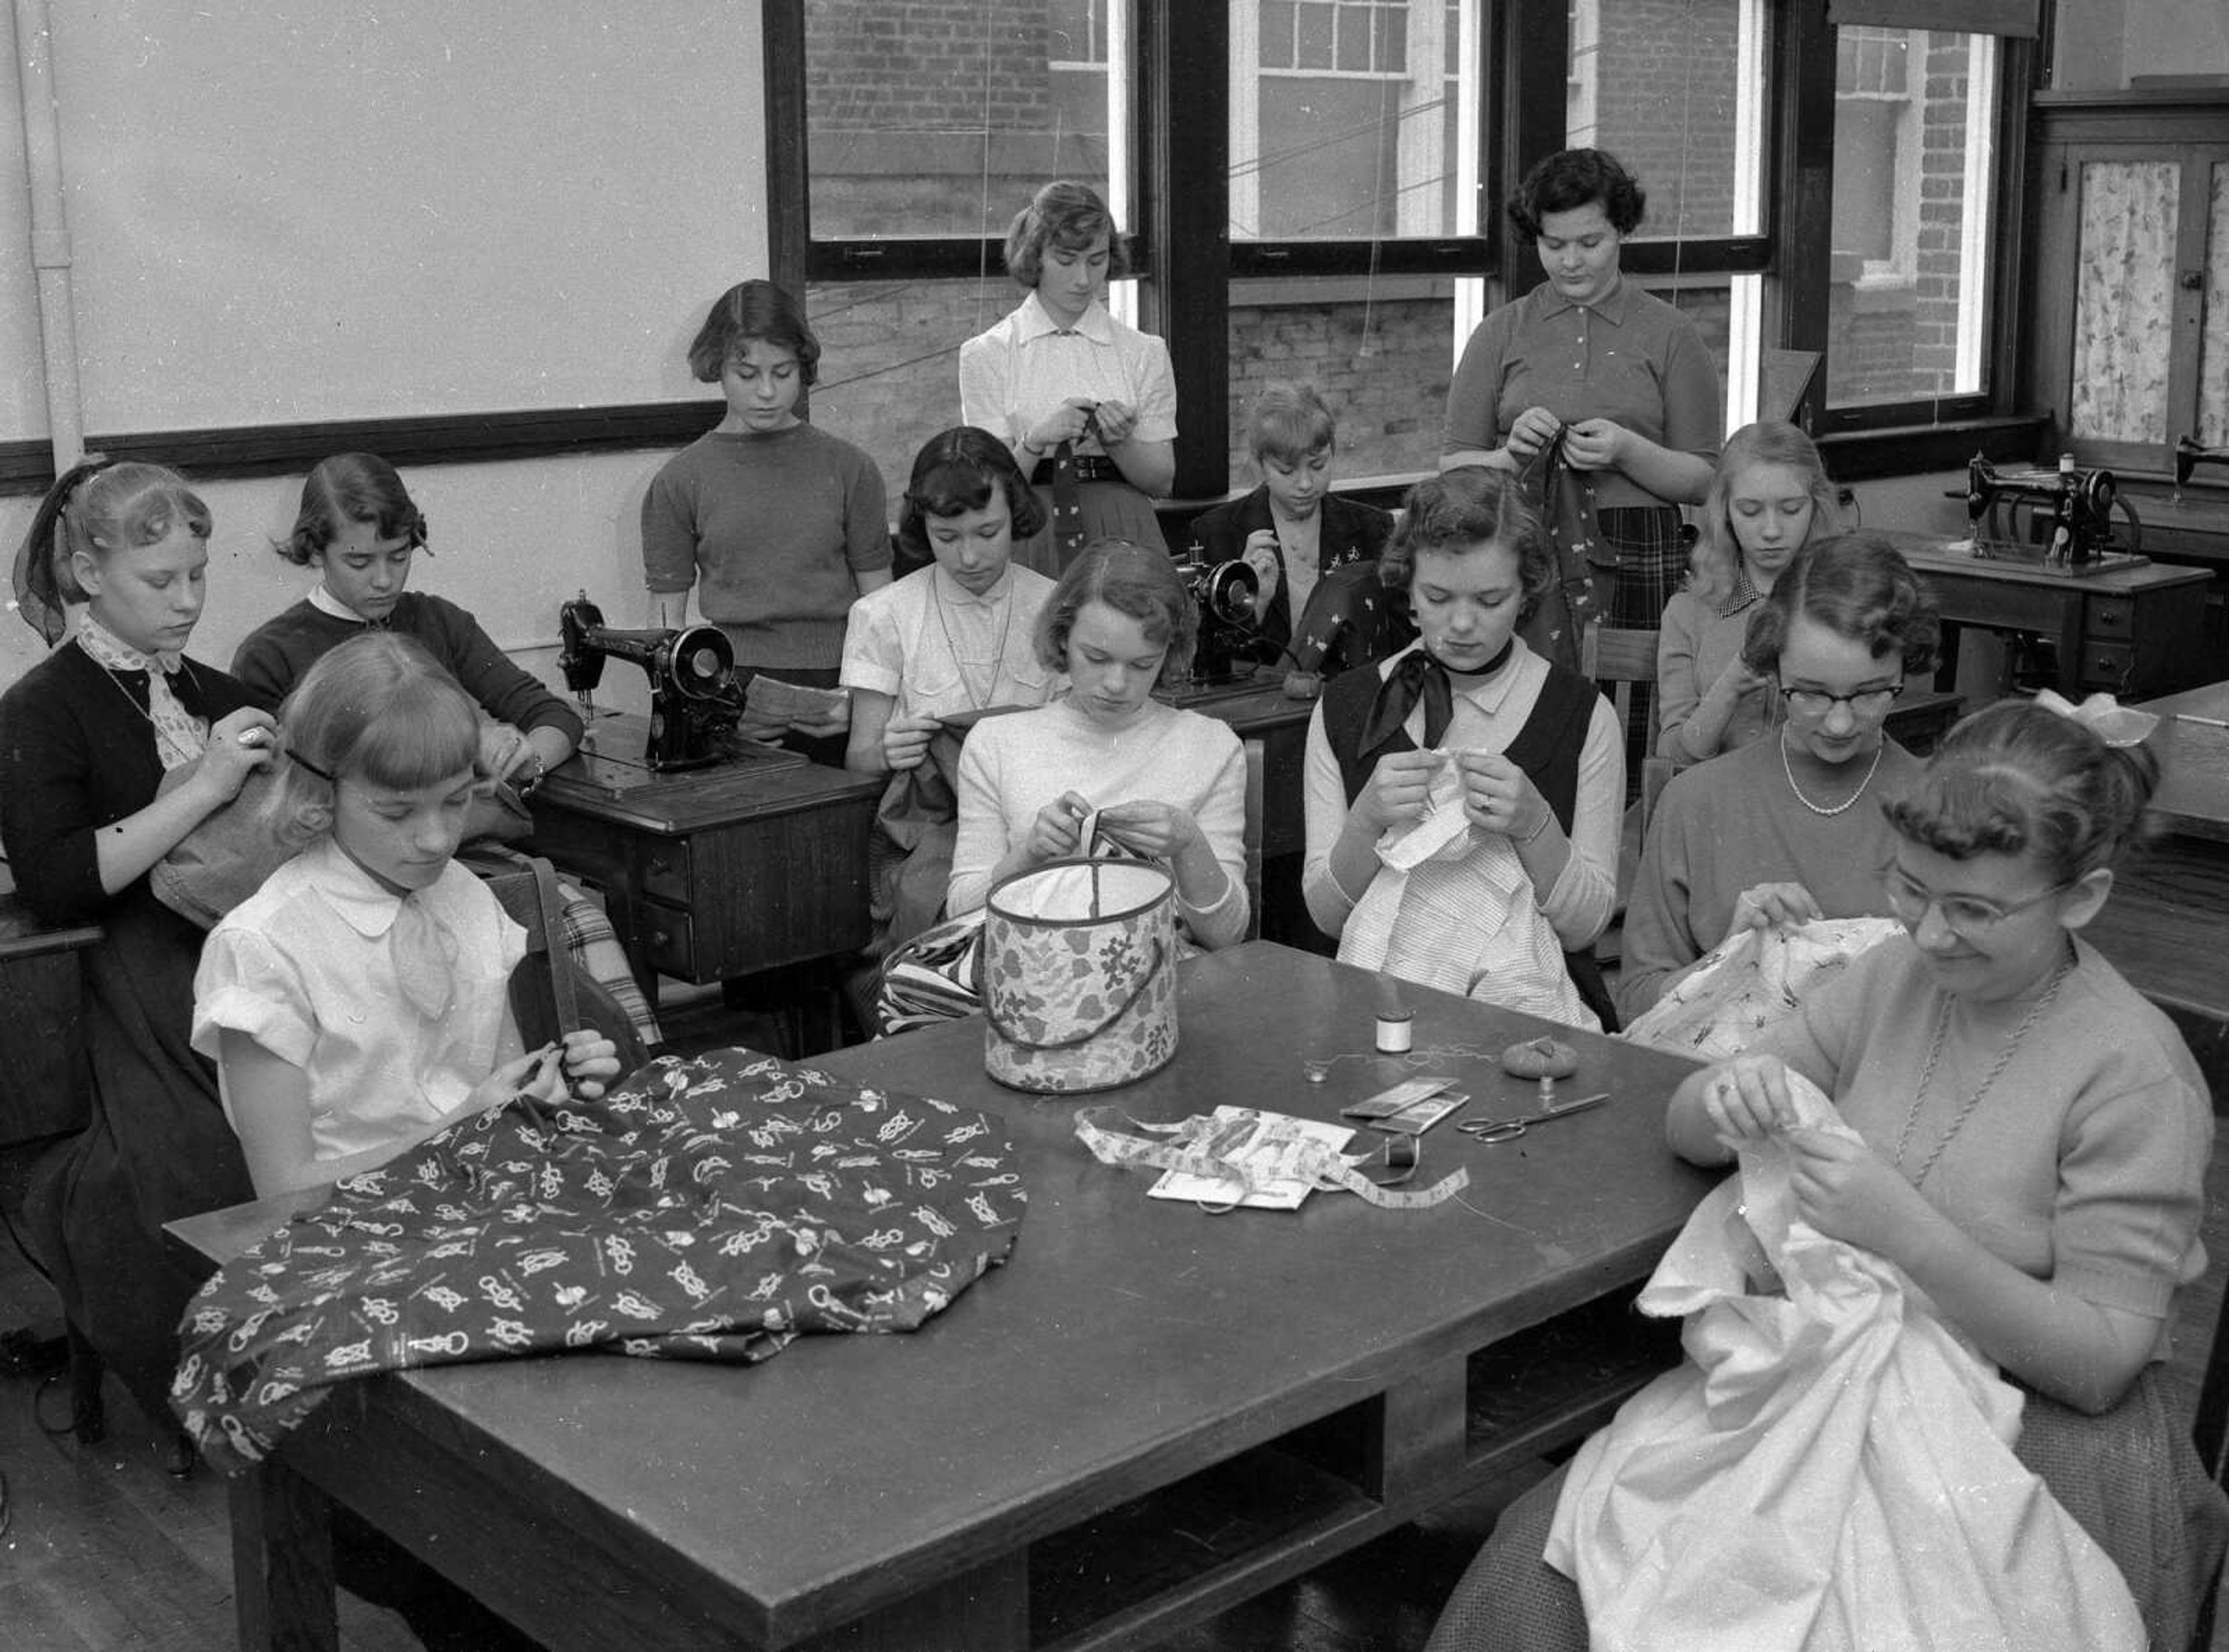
100,1551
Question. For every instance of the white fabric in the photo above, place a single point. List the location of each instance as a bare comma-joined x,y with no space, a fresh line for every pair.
1829,1469
1745,986
1488,716
1022,369
937,649
1454,910
304,967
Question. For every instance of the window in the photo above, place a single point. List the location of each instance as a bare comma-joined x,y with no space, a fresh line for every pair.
1914,164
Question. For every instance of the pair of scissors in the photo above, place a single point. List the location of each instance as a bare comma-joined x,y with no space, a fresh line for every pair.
1492,1130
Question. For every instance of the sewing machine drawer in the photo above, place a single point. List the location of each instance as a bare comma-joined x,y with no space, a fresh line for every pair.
2109,666
2111,618
668,935
665,874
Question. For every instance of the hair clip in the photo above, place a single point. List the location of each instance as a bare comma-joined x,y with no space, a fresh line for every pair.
325,775
2117,725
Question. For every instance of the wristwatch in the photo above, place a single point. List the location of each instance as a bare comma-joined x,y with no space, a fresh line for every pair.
530,775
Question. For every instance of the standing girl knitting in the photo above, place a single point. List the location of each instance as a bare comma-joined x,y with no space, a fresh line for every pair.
2031,1138
358,1003
86,738
778,526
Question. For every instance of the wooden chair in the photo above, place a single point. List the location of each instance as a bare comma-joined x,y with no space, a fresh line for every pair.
548,993
1617,657
1258,762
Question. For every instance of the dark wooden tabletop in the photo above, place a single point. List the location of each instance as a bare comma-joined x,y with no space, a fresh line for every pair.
1128,1341
609,781
1935,554
2193,745
23,935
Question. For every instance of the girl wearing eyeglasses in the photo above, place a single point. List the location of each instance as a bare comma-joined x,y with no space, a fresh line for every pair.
2035,1142
1789,828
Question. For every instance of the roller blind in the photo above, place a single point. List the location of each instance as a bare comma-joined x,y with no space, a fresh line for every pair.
2018,17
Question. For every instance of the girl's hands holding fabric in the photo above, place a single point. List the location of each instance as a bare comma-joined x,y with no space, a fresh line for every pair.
1066,423
239,742
1772,906
1532,432
1499,796
1849,1193
1746,1100
1157,830
1260,556
905,740
1117,421
1593,444
534,1074
1398,787
589,1060
1053,833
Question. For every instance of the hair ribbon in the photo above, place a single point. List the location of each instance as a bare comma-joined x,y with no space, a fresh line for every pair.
2117,725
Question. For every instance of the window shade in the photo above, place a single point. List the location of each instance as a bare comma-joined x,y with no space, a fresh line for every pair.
2018,17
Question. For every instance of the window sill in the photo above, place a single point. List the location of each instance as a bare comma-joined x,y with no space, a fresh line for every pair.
1918,449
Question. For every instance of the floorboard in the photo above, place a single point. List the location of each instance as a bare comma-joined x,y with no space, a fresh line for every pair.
102,1552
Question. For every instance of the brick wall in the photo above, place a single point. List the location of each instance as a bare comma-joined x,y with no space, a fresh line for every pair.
1665,89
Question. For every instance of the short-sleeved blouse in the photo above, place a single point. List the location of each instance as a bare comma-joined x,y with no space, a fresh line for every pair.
936,649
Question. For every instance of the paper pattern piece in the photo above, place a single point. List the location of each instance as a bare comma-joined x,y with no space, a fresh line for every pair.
1240,1155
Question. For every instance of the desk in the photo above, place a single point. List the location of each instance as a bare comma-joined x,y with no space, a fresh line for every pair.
2129,631
2193,800
44,1040
1297,1383
713,873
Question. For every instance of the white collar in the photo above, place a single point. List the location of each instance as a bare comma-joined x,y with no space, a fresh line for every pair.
953,594
326,603
111,652
1033,320
1487,693
360,900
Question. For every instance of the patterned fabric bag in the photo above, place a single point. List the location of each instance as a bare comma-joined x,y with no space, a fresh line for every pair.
1746,984
710,1208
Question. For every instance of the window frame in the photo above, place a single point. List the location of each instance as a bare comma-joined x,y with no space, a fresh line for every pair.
1187,261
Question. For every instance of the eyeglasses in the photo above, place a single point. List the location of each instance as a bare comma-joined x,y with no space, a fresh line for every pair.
1817,703
1970,917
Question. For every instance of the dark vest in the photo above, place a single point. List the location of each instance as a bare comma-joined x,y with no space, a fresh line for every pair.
1547,749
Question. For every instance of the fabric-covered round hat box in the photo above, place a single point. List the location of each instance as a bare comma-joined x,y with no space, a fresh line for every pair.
1079,975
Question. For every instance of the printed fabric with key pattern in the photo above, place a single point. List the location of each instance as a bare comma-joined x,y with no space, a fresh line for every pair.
709,1209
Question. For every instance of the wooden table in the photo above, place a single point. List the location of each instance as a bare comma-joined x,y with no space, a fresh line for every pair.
1149,1415
708,874
43,1040
2127,631
2193,800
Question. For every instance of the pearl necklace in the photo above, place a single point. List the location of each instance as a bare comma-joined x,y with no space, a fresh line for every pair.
2004,1059
1789,769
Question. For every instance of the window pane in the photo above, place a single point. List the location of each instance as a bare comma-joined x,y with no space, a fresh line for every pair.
1377,354
1914,117
926,119
2213,338
890,361
1677,94
1348,124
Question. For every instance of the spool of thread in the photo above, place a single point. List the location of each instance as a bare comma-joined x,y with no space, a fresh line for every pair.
1397,1030
1396,1022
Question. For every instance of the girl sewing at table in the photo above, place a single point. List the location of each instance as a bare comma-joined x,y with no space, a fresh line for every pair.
1769,499
1087,403
360,528
1165,784
358,1003
1787,828
778,525
954,639
1515,764
2035,1142
86,737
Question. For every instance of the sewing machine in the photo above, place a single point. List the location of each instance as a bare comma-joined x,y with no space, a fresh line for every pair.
2069,521
1230,630
694,701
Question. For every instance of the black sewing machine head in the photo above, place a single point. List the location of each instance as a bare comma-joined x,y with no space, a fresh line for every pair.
1230,630
693,698
2188,456
2069,517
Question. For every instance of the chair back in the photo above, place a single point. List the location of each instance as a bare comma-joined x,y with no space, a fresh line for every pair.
550,993
1258,761
1616,657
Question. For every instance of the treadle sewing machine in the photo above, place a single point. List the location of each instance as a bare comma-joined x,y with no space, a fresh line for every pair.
1230,630
2188,456
694,700
2066,521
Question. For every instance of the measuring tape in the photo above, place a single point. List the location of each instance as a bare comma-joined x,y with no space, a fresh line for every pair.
1319,1166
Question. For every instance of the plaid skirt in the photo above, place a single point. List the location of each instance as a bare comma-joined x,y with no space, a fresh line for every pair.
2130,1478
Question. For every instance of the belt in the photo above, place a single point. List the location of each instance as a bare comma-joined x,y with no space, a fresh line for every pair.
1088,468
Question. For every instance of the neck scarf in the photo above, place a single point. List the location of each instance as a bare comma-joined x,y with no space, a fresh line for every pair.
180,736
1418,676
424,952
